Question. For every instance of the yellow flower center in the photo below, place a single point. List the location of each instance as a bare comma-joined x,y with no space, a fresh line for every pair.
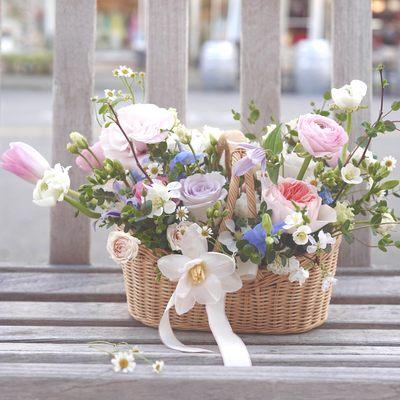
157,202
389,163
198,273
123,363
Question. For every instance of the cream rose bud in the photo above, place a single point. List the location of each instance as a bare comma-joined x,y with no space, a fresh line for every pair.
52,187
122,246
386,225
175,234
201,191
349,97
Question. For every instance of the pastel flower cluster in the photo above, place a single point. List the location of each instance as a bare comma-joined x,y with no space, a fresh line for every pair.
164,186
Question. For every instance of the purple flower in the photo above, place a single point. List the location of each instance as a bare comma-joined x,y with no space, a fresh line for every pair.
255,155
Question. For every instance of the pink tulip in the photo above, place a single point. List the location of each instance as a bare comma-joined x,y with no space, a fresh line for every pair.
24,161
98,151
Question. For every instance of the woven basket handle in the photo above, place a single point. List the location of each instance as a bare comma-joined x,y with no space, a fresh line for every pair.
228,142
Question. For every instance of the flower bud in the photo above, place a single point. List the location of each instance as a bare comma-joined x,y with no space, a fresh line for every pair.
79,140
72,148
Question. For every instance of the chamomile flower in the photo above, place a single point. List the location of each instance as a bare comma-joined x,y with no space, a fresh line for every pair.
123,361
124,71
205,231
312,180
154,169
110,94
182,213
158,366
389,162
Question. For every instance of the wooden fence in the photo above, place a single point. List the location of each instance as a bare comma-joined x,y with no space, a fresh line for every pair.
167,77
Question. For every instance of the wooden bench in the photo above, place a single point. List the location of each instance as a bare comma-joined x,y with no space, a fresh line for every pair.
48,316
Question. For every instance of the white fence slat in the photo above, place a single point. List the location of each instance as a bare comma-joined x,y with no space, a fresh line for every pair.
260,78
72,111
352,59
167,33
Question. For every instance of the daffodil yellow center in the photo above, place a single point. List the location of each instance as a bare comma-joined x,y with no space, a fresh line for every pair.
198,273
123,363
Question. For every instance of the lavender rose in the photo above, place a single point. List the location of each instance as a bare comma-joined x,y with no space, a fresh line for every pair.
321,137
199,192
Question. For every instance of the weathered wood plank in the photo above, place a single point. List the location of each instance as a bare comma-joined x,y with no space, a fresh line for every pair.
116,314
54,286
352,59
260,78
97,382
145,335
324,356
73,86
167,33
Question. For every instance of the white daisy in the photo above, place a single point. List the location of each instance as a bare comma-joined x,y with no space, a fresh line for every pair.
300,236
110,94
182,213
123,361
124,71
154,169
158,366
205,231
312,180
389,162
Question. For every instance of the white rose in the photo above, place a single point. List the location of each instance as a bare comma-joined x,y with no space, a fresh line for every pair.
122,246
52,187
175,234
386,225
292,164
349,97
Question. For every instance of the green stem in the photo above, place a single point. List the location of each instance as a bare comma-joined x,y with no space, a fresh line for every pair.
128,86
86,160
81,208
348,130
304,167
94,156
74,193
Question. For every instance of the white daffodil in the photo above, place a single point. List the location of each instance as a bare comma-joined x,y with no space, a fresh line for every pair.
158,366
389,162
298,274
327,282
123,361
323,240
351,174
349,97
161,197
52,187
203,277
300,235
154,169
227,238
182,213
293,220
388,224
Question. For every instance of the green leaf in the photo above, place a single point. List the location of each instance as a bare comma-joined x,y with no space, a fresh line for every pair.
389,126
273,173
253,117
273,141
389,184
395,105
251,136
327,95
236,115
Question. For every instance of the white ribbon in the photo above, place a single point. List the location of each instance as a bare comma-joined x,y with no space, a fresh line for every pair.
233,350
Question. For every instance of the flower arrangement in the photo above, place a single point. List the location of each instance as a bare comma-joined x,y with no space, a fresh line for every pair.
165,187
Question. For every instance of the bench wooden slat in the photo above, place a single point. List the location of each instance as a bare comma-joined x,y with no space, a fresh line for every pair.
355,356
54,286
73,381
116,314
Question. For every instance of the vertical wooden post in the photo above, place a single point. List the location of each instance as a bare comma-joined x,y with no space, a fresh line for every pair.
352,59
260,78
73,86
167,53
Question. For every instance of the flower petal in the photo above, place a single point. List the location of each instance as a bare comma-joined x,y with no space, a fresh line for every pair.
184,304
193,245
209,292
173,265
232,283
326,215
169,207
183,287
219,264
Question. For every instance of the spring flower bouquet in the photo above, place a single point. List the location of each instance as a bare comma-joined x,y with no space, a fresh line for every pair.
247,225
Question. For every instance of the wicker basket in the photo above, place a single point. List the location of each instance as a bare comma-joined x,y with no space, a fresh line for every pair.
267,304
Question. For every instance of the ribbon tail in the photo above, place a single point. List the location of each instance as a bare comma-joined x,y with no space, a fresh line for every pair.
233,350
167,335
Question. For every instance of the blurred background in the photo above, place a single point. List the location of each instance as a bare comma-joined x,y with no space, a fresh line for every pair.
214,36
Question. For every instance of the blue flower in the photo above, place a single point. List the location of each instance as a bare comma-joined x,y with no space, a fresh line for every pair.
326,196
185,158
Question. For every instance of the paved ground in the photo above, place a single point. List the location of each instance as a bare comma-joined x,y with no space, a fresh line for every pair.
26,116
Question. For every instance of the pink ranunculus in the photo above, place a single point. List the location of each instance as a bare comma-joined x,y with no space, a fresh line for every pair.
280,199
321,137
98,151
24,161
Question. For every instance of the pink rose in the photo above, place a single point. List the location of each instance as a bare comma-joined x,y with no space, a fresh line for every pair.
98,152
280,199
24,161
321,137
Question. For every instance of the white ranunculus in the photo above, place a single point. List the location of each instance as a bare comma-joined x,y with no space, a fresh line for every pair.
351,174
292,164
386,224
202,276
175,234
52,187
349,97
122,246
